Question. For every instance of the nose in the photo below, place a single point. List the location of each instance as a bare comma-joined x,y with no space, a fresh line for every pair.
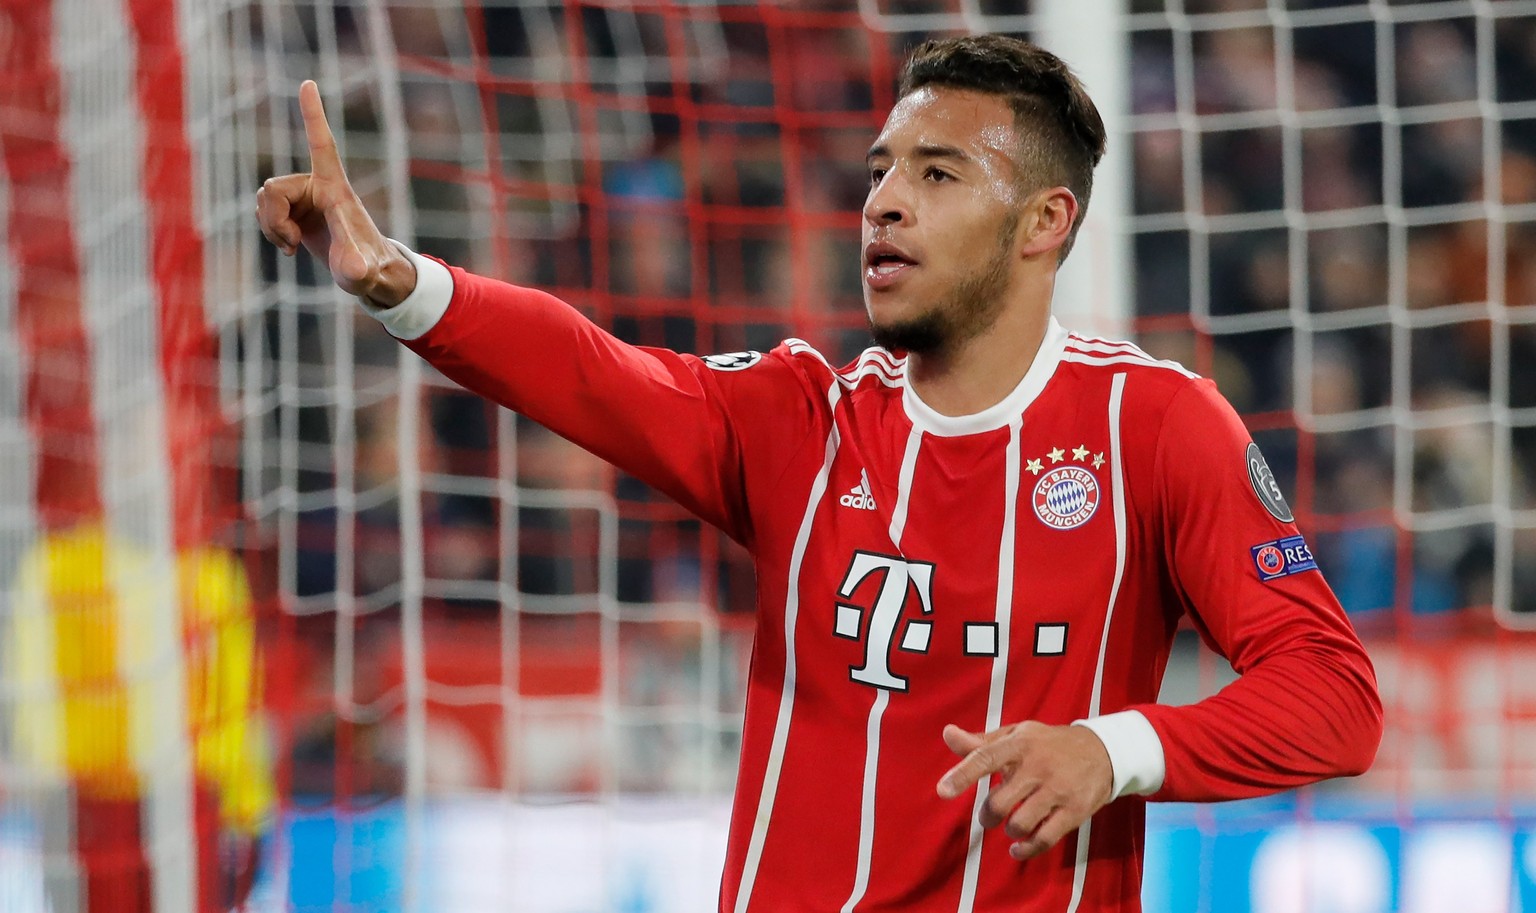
887,201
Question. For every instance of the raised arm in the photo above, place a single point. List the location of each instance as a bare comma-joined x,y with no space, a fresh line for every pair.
703,431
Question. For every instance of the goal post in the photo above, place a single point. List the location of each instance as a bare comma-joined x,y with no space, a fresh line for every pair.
1094,286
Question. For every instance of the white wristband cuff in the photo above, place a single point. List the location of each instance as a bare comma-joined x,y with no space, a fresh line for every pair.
424,306
1135,752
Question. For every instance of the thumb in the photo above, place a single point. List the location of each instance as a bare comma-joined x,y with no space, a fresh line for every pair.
353,240
348,264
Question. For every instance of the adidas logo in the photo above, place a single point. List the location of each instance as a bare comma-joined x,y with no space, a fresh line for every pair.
859,497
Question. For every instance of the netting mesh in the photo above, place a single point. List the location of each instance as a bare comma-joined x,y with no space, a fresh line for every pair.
1329,209
1358,263
661,169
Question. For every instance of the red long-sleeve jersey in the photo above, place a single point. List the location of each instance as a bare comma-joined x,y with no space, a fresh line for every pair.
1029,562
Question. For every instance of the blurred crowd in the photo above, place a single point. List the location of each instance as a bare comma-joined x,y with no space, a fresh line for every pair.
1334,218
1404,188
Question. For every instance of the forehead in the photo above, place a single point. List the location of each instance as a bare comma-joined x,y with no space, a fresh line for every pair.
977,122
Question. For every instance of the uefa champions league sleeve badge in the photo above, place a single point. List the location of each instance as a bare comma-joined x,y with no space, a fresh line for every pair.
733,361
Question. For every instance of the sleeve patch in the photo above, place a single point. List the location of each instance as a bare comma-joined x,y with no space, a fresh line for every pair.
1282,558
733,361
1265,486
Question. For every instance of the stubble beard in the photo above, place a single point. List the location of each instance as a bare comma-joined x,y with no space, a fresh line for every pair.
966,311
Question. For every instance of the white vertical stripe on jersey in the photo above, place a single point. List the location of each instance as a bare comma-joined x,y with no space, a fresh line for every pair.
904,486
867,801
1117,489
1000,662
877,710
787,695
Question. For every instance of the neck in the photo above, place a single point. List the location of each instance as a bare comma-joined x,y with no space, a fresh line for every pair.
977,373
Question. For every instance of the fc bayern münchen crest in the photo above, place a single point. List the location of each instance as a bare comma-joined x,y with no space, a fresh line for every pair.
1066,498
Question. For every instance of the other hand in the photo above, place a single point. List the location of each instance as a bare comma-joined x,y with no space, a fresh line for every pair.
1052,779
321,211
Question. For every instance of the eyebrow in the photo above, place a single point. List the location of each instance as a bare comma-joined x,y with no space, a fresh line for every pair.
922,151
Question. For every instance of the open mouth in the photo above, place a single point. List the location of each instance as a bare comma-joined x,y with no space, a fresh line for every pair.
884,264
888,264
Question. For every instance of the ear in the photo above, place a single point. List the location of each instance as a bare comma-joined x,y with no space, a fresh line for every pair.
1048,218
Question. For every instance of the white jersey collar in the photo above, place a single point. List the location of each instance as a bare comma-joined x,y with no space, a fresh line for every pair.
925,418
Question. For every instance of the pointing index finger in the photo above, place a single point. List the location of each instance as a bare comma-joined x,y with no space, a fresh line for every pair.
324,161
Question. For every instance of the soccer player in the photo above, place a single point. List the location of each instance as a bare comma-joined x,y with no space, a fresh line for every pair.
973,544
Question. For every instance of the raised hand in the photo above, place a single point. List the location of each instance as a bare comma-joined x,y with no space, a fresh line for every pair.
321,211
1053,778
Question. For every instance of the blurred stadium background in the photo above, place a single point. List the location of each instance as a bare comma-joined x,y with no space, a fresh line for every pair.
296,616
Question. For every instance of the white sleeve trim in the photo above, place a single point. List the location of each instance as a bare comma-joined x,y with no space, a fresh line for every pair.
1135,752
424,306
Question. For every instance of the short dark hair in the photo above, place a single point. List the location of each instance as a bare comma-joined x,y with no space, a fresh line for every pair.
1061,131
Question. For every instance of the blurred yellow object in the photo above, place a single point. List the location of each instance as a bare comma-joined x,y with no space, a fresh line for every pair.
90,670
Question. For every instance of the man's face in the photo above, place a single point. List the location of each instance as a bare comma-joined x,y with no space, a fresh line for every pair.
940,219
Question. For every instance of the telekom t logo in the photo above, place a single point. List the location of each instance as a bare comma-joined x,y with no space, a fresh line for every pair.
899,576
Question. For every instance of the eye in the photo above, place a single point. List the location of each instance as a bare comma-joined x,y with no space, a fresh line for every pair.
876,174
938,175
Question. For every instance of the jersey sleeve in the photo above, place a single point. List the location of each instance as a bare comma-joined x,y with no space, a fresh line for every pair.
695,432
1304,706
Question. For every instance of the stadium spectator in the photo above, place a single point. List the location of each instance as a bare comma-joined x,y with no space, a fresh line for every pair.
1334,70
